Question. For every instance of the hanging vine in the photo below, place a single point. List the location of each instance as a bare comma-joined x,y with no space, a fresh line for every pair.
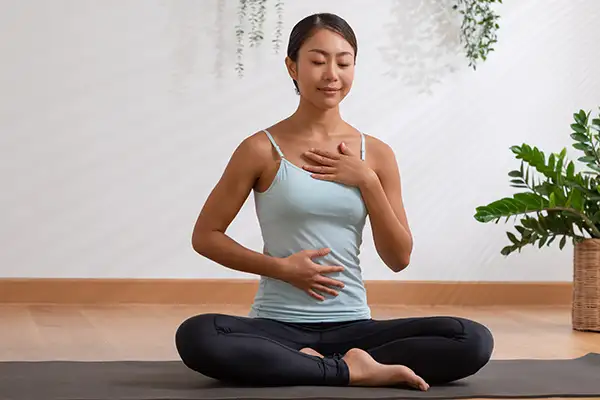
251,19
257,16
239,33
277,38
478,28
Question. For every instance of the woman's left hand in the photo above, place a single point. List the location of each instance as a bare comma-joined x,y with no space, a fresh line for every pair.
345,168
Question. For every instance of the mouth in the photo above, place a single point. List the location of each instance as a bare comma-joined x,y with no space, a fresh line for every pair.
329,90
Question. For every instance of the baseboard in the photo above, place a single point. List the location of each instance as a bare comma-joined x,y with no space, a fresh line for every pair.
229,291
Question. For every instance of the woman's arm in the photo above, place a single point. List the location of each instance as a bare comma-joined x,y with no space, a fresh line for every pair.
222,206
382,194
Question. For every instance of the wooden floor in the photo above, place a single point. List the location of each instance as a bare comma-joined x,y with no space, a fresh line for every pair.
145,332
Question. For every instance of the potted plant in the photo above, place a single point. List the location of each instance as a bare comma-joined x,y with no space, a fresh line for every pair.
559,203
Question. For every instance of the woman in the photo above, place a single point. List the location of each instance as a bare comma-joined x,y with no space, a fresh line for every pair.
315,179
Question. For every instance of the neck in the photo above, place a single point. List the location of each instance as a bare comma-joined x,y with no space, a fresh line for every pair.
316,121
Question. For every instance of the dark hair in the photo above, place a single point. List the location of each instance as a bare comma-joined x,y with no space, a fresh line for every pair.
306,28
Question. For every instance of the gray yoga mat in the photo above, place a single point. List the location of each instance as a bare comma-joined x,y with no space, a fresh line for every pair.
141,380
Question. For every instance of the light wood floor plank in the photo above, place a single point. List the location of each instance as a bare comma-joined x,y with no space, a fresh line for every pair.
146,332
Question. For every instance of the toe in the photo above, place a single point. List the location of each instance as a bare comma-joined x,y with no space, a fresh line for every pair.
420,383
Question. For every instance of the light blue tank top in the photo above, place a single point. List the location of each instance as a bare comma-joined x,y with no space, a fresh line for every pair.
298,212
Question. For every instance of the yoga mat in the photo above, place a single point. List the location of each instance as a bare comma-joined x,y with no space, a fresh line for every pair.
141,380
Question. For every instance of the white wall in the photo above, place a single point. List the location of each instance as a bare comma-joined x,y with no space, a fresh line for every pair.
117,118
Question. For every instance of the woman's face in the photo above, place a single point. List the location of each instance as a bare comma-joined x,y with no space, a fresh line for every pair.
324,70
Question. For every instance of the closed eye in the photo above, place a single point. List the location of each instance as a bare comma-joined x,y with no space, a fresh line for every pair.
322,63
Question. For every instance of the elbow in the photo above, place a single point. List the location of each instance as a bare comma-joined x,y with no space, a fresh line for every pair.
199,240
395,260
196,244
400,264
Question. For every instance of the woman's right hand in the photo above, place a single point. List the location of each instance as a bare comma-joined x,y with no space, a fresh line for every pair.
303,273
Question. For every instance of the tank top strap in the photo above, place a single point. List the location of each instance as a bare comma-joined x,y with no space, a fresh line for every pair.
362,146
273,143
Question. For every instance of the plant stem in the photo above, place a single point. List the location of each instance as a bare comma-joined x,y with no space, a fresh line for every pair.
588,221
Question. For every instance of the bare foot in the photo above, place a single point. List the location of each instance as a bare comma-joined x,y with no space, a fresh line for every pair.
365,371
308,350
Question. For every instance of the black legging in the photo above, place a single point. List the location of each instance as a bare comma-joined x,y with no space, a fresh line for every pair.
265,352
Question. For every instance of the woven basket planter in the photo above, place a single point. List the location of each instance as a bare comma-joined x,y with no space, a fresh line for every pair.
586,286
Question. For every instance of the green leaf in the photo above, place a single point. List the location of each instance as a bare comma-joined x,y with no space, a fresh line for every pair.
512,237
582,146
580,117
558,170
577,200
551,161
516,149
562,243
539,228
563,153
587,159
507,250
570,170
552,200
580,137
579,128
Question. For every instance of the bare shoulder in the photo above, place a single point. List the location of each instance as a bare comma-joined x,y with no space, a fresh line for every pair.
380,154
255,150
256,144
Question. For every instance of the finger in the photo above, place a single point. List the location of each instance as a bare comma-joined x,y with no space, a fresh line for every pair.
325,153
315,295
330,282
324,177
319,169
325,289
320,159
327,269
322,156
319,252
345,149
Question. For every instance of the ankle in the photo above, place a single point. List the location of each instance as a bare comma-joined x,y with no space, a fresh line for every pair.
309,351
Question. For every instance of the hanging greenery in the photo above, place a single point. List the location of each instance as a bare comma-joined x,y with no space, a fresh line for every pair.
252,15
478,28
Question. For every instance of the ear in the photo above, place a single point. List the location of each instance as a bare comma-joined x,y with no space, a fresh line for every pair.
291,68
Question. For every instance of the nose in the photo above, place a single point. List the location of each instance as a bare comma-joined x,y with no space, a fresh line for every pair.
330,72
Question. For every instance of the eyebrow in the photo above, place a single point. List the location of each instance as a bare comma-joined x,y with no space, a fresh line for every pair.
325,53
